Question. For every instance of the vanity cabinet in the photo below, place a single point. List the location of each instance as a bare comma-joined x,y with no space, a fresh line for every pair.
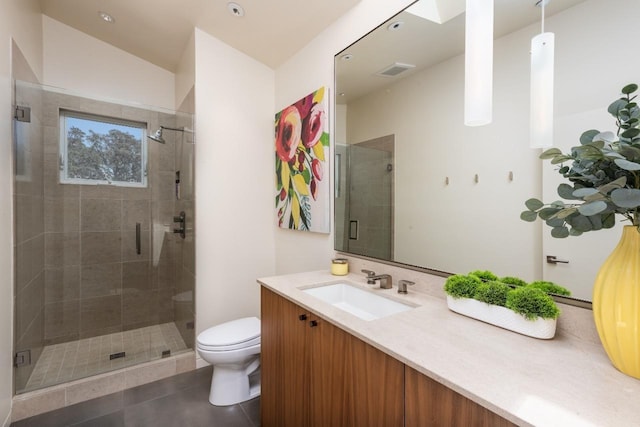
316,374
431,404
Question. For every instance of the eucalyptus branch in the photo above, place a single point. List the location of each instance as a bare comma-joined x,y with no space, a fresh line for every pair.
603,175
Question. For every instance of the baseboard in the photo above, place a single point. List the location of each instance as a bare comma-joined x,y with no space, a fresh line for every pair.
7,420
200,362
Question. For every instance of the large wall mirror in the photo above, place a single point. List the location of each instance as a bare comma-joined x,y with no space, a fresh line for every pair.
417,187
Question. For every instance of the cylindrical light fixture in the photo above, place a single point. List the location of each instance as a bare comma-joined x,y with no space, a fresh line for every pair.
541,114
478,63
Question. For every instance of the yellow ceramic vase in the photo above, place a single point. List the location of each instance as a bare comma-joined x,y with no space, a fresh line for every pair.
616,303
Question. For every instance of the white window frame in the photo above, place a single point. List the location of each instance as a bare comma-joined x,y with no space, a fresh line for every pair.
65,179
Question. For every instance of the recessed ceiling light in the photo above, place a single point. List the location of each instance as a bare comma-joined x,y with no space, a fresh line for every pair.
347,57
106,17
395,26
235,9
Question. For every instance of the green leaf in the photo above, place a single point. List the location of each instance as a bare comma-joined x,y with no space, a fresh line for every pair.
596,222
529,216
306,175
581,223
533,204
627,165
586,191
630,133
607,136
555,222
566,212
592,208
574,232
626,197
629,89
547,213
324,139
588,136
560,232
594,197
616,106
560,159
608,220
618,183
550,153
566,191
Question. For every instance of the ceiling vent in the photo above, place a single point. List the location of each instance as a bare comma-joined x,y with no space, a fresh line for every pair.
394,69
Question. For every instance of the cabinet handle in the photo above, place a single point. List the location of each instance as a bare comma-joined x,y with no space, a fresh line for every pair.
302,317
313,323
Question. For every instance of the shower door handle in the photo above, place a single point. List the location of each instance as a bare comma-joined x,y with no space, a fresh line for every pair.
138,247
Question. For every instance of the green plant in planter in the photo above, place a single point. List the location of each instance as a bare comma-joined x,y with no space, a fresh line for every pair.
484,275
527,300
492,292
460,286
513,281
603,175
550,288
531,303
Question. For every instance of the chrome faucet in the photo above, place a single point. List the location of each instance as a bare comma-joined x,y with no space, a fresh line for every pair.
402,286
385,279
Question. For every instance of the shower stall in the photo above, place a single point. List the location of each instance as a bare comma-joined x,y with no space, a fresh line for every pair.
104,235
365,179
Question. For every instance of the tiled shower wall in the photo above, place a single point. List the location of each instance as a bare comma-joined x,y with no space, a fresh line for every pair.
95,282
28,202
370,197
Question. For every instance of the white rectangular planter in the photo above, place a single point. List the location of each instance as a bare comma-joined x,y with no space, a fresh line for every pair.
503,317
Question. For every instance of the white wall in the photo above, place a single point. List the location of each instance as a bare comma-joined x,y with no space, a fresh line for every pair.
20,20
235,218
305,72
87,66
186,72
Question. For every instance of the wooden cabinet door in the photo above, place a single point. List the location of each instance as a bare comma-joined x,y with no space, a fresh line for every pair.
376,387
315,374
431,404
284,354
352,383
329,376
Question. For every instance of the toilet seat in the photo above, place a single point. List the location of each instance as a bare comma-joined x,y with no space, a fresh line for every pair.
233,335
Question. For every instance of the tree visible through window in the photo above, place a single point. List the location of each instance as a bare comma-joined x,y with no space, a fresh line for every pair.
102,150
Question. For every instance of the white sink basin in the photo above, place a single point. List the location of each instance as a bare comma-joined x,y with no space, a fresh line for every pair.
365,304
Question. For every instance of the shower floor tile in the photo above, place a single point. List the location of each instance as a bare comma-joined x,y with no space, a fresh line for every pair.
73,360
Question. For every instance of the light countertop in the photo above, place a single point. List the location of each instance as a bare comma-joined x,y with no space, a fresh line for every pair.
566,381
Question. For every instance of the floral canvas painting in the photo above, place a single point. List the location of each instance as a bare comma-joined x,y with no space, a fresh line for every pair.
302,164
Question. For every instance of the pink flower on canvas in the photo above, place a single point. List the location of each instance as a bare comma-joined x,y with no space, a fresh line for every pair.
316,168
288,133
313,126
304,105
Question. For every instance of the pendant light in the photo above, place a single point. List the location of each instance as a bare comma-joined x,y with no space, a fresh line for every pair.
478,63
541,113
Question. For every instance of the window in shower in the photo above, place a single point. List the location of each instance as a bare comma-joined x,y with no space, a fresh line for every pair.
102,150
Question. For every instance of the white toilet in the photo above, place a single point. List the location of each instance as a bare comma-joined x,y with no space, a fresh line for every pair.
233,348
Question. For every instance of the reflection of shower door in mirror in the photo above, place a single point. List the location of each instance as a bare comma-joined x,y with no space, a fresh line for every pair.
369,229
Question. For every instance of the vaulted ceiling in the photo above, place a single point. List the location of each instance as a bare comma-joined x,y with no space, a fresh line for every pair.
158,30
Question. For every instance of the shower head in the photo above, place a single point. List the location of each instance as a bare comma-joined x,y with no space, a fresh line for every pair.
157,137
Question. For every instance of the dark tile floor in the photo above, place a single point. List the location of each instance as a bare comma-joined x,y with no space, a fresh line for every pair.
179,401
